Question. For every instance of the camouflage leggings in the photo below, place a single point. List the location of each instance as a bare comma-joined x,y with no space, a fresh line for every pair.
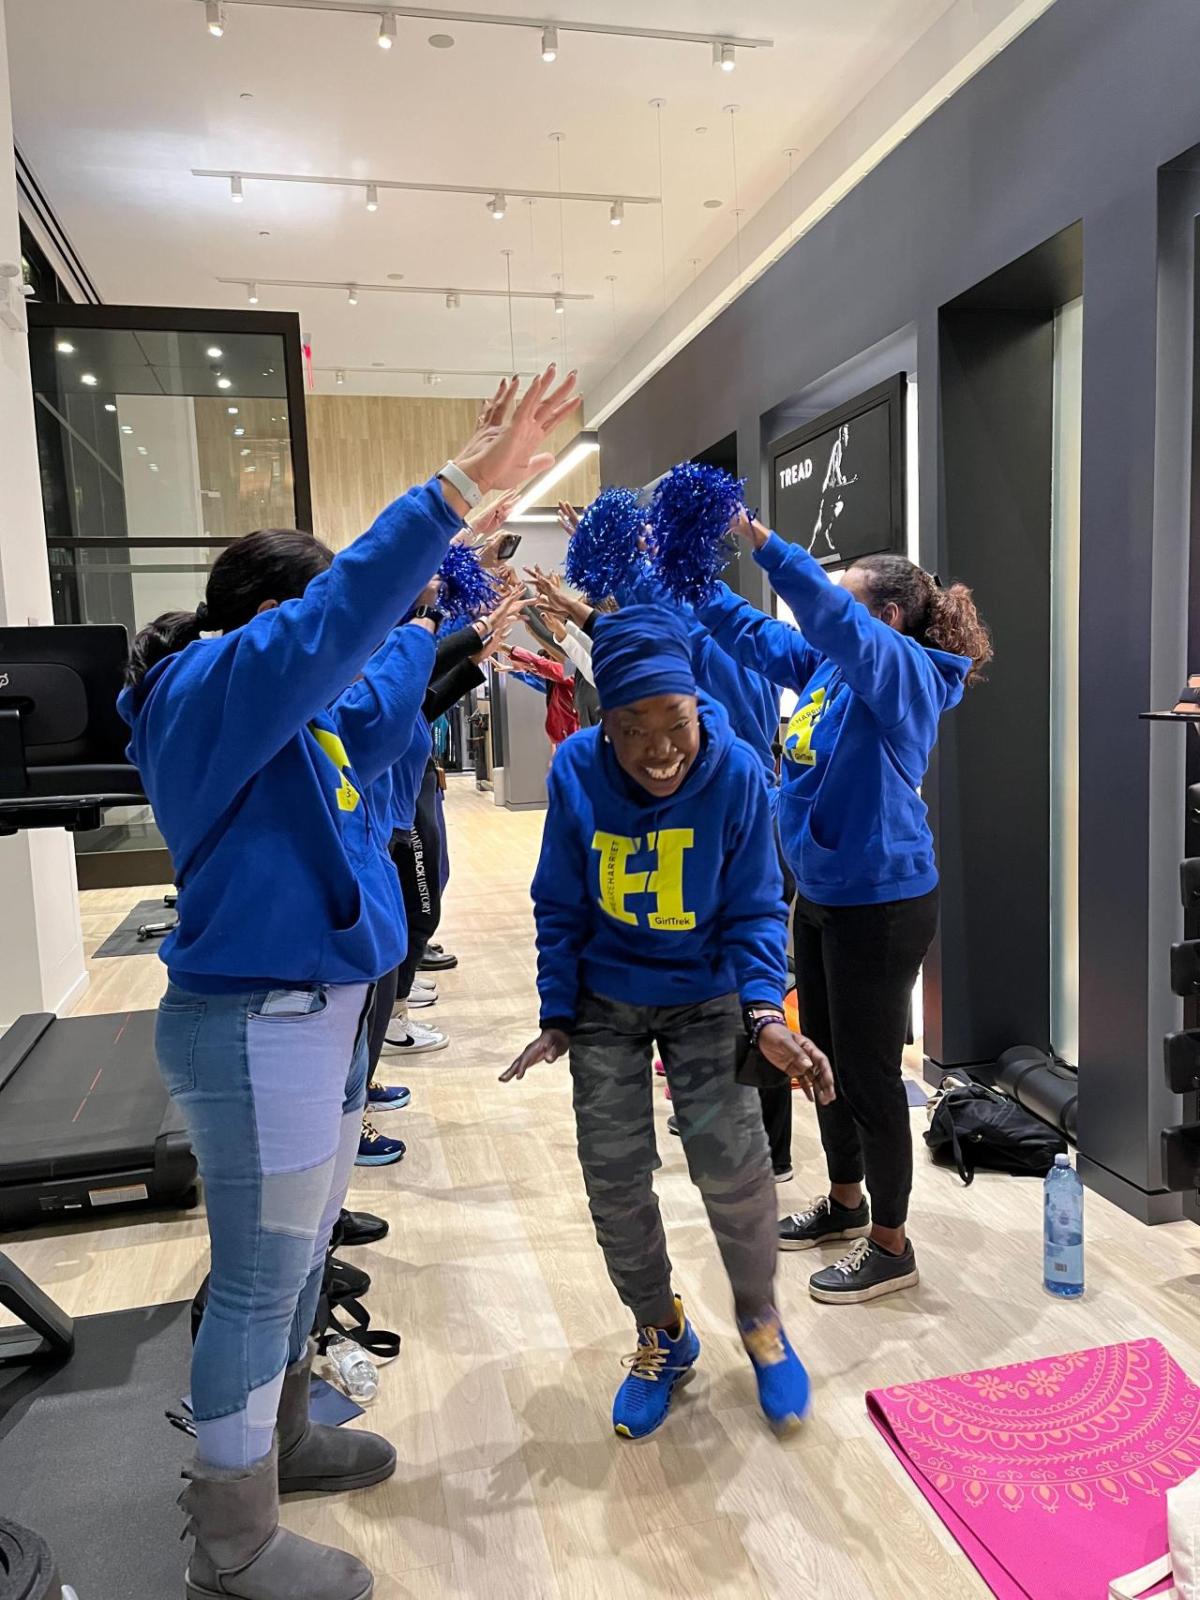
723,1140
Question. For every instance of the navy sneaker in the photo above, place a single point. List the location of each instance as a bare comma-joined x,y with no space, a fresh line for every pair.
655,1367
387,1097
376,1150
864,1273
783,1388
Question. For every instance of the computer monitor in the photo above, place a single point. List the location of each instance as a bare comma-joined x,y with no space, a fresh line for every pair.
62,742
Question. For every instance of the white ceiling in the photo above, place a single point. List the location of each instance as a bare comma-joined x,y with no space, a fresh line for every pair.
115,101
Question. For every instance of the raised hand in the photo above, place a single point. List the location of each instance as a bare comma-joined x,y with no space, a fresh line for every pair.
486,521
750,528
505,449
548,1046
568,517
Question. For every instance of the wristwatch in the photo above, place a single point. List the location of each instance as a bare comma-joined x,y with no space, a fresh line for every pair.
458,479
433,614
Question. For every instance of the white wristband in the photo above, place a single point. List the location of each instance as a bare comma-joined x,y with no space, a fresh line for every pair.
457,479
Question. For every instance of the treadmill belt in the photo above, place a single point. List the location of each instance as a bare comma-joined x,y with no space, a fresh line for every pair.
88,1097
88,1461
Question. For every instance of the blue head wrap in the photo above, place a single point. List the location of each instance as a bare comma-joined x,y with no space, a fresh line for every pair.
641,651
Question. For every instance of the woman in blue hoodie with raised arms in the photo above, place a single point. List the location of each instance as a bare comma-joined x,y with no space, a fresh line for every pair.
876,661
289,911
660,918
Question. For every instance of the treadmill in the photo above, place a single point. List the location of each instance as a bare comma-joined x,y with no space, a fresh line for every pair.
86,1124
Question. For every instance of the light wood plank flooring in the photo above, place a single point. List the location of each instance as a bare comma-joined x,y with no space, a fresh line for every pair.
511,1483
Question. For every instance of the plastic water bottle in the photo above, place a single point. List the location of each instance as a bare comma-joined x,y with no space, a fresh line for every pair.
1063,1230
352,1369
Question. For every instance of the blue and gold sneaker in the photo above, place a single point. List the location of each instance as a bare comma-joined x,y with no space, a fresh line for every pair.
655,1367
387,1097
783,1387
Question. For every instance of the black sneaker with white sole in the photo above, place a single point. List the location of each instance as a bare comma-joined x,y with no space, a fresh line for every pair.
821,1220
864,1273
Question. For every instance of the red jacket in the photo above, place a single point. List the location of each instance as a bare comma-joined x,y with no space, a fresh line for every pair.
562,719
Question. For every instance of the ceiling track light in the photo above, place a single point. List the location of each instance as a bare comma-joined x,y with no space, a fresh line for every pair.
612,30
339,377
497,205
356,289
453,300
352,295
252,294
723,56
560,307
235,190
549,42
616,213
214,16
492,193
387,30
372,197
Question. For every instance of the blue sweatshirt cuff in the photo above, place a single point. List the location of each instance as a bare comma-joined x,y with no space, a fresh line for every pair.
778,554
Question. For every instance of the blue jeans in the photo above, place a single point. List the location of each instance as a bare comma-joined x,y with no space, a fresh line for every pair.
271,1084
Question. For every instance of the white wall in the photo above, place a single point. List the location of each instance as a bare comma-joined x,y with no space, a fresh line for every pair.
41,950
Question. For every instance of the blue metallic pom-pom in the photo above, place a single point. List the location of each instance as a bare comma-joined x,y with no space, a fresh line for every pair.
690,515
604,550
468,589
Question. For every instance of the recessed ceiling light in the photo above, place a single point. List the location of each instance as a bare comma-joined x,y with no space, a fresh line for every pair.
238,432
214,352
232,410
154,466
65,347
550,43
125,428
224,383
142,451
442,41
245,95
387,30
246,451
713,205
89,378
264,233
108,406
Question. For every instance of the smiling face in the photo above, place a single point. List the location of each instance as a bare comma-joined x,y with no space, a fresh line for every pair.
656,741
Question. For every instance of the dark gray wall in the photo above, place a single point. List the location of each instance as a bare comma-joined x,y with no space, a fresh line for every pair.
1072,122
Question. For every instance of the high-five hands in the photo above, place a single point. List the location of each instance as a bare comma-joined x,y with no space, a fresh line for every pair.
548,1046
485,522
506,448
799,1058
750,528
568,517
552,597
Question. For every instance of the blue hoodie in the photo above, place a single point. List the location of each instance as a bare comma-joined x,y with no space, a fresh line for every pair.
658,902
854,828
751,701
279,850
384,728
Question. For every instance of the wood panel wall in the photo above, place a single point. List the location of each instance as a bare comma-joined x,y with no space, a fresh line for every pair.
364,450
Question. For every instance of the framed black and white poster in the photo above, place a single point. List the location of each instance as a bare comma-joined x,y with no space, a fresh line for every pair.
837,484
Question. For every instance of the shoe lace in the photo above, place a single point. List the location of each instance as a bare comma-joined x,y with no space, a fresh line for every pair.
649,1360
812,1211
370,1132
854,1258
764,1341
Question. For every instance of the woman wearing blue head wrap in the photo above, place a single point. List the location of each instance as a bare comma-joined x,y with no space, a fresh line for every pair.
660,918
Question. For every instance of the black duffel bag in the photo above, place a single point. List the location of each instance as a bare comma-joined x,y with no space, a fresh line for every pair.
340,1311
972,1126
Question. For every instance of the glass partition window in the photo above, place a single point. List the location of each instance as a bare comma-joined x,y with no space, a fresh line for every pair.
157,449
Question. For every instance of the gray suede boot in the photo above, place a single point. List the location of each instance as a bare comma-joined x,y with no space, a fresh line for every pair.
314,1458
241,1551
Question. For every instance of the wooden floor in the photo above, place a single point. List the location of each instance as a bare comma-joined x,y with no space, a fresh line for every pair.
511,1483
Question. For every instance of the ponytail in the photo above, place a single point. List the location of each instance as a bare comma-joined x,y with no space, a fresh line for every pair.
945,619
274,564
955,625
173,631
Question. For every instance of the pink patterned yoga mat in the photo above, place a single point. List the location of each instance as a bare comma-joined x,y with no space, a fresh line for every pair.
1051,1474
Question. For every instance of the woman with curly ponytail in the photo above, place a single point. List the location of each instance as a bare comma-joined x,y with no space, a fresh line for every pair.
876,660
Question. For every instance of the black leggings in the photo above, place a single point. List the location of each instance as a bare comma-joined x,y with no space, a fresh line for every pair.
855,970
777,1101
381,1014
418,858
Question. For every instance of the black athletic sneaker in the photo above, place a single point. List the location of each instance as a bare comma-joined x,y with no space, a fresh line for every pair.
864,1273
823,1219
436,959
